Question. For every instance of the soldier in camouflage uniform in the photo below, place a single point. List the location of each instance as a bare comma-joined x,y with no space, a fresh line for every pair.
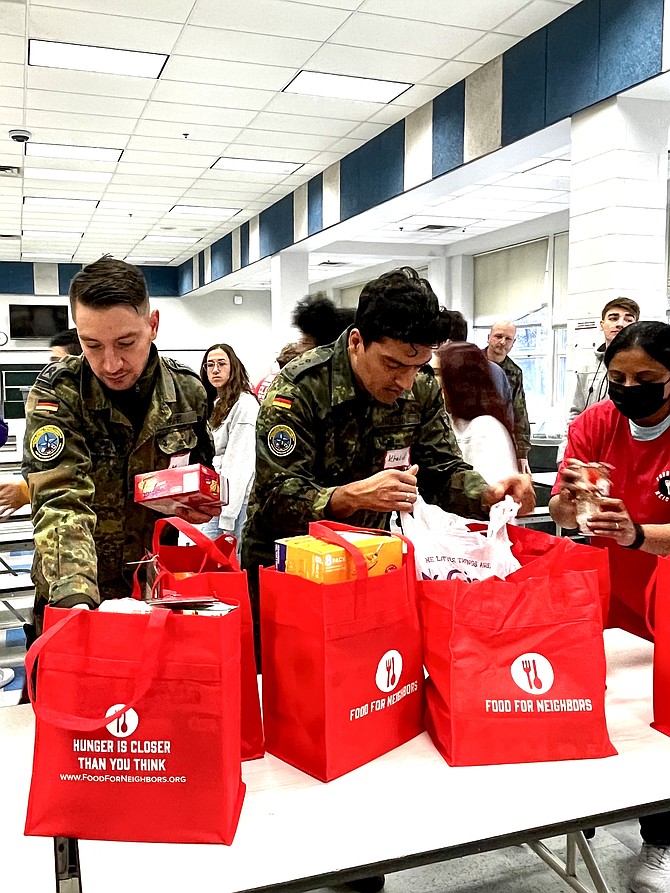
349,430
501,338
92,424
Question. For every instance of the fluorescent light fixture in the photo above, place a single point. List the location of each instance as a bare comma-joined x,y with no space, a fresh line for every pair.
47,173
79,204
50,234
80,57
203,211
79,153
255,165
139,259
344,86
184,240
46,255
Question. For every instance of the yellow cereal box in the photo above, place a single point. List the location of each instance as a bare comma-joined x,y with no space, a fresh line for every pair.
321,562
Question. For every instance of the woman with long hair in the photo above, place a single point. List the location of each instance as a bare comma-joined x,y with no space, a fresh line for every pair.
478,414
233,409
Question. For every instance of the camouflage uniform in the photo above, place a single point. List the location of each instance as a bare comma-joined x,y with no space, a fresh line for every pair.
87,525
318,430
521,423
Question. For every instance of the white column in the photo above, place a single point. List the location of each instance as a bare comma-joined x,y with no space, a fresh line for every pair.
461,288
289,283
618,207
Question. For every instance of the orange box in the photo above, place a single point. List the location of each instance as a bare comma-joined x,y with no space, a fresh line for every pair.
190,486
321,562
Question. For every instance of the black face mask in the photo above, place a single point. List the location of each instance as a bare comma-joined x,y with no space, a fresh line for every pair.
638,401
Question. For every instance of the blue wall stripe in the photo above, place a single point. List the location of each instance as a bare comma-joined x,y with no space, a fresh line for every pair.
275,226
448,129
222,257
631,37
66,272
244,244
572,61
162,281
374,173
201,269
315,205
185,276
524,77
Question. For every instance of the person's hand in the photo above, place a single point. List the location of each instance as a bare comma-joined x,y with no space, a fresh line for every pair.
518,486
391,490
612,521
201,515
524,467
13,496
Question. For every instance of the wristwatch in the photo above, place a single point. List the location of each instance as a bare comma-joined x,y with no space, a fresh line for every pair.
639,537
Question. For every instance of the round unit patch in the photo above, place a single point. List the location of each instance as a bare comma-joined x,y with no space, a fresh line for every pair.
281,440
47,443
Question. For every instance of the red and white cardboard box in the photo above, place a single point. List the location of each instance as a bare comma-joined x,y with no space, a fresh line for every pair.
188,486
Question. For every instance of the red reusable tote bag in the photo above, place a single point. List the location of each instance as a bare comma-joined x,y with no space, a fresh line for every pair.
216,572
658,604
137,733
517,670
342,664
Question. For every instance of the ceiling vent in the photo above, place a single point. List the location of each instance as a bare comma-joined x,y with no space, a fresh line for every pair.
8,170
438,228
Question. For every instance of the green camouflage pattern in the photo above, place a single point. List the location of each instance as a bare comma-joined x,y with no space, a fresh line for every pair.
342,435
87,525
521,423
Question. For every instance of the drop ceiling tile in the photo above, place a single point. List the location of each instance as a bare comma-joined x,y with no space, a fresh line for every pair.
67,121
225,73
89,82
246,177
211,95
362,61
102,30
187,114
163,170
140,180
176,159
228,197
487,48
12,49
11,75
322,107
12,18
337,4
533,16
173,130
418,95
80,138
162,10
108,106
390,114
276,17
346,145
124,189
12,97
240,46
239,149
294,123
199,148
366,131
392,34
449,74
285,140
466,15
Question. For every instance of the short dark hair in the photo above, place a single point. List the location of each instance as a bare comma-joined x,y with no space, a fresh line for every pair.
69,339
652,337
108,282
319,318
459,326
402,306
627,304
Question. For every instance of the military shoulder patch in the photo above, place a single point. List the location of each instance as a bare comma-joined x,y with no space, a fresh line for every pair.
281,440
47,443
47,406
282,402
51,373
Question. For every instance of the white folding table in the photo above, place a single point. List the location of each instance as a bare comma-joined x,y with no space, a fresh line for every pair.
404,809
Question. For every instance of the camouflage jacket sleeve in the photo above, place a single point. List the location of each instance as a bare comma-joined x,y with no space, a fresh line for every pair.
285,489
57,465
444,478
521,423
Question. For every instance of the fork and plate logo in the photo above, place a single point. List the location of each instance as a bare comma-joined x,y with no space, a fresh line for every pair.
389,671
533,673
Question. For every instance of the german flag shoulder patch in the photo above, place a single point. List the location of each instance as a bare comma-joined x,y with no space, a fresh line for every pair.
282,402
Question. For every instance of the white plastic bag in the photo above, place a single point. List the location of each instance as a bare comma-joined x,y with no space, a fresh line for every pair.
445,548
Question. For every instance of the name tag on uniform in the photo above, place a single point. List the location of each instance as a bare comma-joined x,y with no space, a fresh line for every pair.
180,460
397,459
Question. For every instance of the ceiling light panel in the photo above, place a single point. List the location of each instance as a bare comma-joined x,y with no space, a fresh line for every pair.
79,57
257,165
79,153
76,204
38,173
50,234
340,86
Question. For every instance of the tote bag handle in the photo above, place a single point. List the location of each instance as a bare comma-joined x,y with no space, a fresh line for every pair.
204,543
146,671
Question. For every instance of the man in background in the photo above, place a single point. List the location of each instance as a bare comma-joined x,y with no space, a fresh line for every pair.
64,344
501,339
